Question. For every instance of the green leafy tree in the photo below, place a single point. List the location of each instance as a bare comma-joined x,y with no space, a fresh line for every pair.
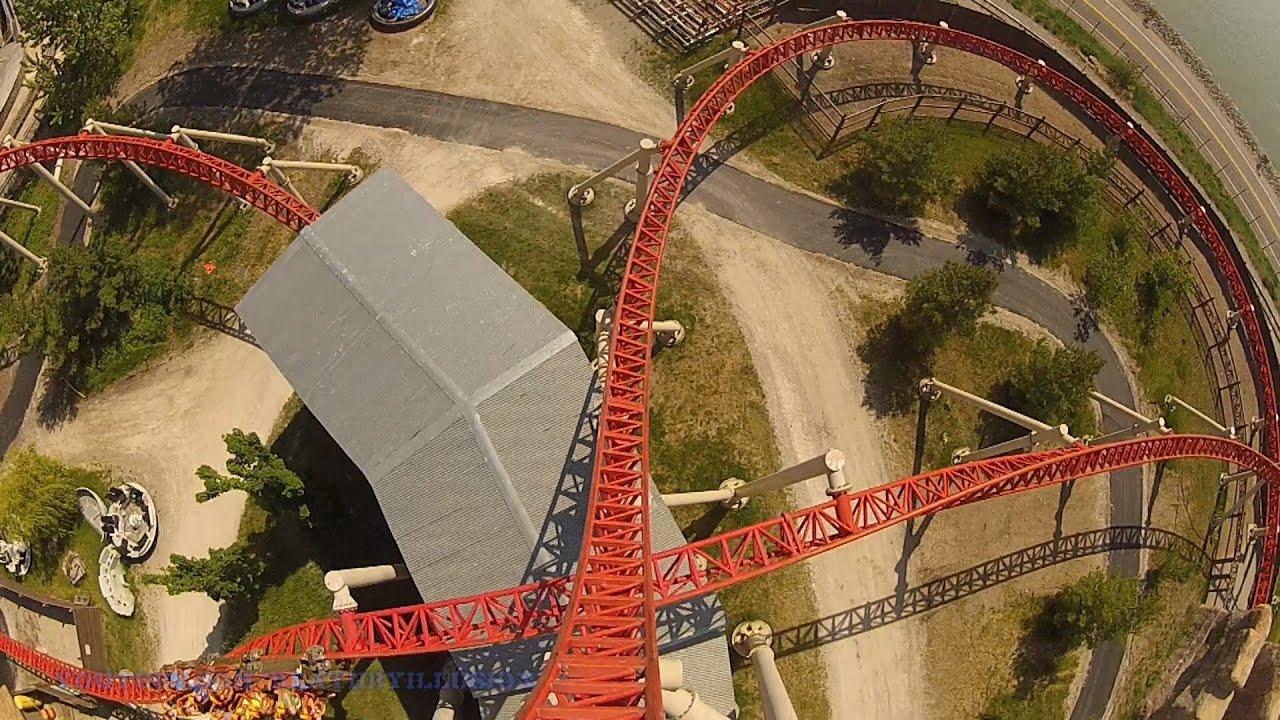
257,471
1099,607
948,300
1033,187
1162,284
89,301
38,501
230,573
1124,74
83,53
1053,384
901,168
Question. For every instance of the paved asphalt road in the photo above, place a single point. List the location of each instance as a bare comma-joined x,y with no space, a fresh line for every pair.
792,217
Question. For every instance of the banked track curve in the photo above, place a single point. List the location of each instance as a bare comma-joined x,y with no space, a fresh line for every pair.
681,574
606,645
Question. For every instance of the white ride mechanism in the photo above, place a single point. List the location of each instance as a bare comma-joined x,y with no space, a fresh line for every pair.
112,583
127,519
16,557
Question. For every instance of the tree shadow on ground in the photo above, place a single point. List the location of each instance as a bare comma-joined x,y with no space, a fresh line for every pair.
325,49
894,367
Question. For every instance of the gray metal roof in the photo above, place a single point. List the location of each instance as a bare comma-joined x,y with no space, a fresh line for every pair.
469,407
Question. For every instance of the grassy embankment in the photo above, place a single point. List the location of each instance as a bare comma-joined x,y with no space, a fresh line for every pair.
1147,103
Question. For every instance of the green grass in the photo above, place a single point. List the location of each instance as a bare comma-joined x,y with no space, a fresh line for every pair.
1163,124
128,640
709,418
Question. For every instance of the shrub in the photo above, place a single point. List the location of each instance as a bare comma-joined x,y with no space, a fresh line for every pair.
86,44
230,573
948,300
1033,187
90,302
1097,608
38,501
1162,285
1053,384
258,472
901,168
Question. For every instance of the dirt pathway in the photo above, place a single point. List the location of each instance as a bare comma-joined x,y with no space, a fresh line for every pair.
158,427
783,300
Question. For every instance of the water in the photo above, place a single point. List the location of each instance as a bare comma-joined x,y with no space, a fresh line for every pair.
1238,41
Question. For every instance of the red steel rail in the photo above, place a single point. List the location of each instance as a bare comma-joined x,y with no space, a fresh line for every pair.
606,646
680,574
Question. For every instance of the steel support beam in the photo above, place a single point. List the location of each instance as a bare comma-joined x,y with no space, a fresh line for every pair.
18,247
753,640
66,192
188,137
99,128
340,582
642,157
1140,425
734,493
1218,428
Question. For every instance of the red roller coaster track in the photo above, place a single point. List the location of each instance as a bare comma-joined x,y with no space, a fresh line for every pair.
604,616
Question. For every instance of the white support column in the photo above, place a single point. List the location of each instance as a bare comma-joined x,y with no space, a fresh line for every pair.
278,175
822,59
753,640
644,175
667,332
1141,424
1042,435
1238,507
354,172
19,205
682,704
584,192
98,128
727,58
734,493
40,262
188,137
451,697
340,582
1218,428
49,177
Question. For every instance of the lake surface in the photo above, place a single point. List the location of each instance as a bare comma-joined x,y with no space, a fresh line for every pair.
1238,41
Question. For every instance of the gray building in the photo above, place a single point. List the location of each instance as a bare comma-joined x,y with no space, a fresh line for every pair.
467,405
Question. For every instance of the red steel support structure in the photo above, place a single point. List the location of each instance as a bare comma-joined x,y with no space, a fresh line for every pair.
606,650
614,577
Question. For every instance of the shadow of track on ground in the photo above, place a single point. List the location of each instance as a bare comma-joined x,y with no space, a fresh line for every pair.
909,602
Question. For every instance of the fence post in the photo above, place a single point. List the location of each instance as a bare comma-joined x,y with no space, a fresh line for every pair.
955,110
1036,127
992,121
915,106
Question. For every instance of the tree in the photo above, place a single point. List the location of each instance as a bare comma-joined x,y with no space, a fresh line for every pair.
901,168
948,300
1161,285
1053,384
258,472
38,501
1099,607
88,302
1124,74
84,51
230,573
1033,186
